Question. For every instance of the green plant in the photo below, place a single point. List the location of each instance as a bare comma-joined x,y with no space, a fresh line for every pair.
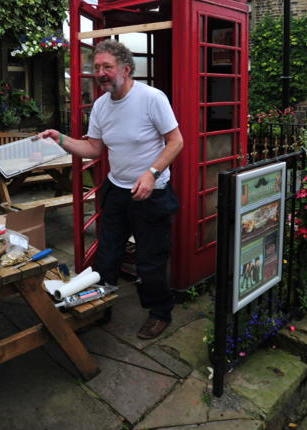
32,24
275,122
257,328
266,67
301,215
192,293
15,106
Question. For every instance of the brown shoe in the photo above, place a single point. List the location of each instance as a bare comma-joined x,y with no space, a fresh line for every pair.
152,328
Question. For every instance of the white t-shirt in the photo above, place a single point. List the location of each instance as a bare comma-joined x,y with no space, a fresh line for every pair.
132,128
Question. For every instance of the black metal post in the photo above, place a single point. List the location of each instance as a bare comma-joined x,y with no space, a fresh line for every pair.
286,57
222,283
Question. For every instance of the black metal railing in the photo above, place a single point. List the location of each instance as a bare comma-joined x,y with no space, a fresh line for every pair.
269,140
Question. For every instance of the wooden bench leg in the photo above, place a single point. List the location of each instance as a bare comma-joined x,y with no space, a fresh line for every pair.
32,291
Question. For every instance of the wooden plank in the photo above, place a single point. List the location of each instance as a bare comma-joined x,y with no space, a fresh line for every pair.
38,178
91,308
37,336
105,32
12,136
4,193
52,319
52,202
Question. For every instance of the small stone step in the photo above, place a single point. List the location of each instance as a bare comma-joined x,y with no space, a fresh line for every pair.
271,382
293,338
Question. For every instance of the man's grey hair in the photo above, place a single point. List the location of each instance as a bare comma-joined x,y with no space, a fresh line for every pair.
122,54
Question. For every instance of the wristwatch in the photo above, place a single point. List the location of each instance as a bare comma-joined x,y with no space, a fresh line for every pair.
155,172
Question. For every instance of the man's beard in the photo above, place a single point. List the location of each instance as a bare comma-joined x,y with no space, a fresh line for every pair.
111,86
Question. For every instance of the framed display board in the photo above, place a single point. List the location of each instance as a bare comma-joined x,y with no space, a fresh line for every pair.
259,222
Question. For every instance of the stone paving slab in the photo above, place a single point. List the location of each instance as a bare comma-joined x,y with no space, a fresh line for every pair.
221,425
128,316
100,342
167,359
187,406
187,343
36,394
130,390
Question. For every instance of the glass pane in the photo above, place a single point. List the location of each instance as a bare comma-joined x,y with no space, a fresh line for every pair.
210,232
220,117
221,57
221,32
86,25
136,42
86,59
85,119
212,173
202,59
207,233
202,119
202,28
201,152
17,79
219,146
201,179
211,203
201,206
203,90
207,205
222,89
140,66
87,91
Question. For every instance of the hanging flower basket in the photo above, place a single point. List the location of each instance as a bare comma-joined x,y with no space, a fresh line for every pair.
37,43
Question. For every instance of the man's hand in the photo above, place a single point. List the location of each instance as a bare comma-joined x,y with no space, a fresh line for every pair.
54,134
143,186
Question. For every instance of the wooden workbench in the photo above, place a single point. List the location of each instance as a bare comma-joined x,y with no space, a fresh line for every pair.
28,282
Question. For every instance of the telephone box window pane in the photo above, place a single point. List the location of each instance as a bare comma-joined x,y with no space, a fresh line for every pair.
222,90
219,146
212,173
140,66
86,25
85,119
202,29
201,152
220,60
136,42
201,179
87,91
221,32
220,117
207,205
86,60
202,119
210,232
203,90
211,203
202,59
206,233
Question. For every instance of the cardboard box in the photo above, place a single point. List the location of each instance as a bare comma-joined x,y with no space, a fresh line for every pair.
30,222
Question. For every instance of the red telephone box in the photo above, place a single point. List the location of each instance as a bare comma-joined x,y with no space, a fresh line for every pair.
196,51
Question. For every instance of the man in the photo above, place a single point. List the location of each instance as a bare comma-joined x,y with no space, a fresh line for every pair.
138,126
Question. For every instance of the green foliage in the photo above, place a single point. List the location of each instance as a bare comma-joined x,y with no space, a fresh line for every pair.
30,21
267,65
15,106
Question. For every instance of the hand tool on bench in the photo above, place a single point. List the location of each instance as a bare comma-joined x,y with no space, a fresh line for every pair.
35,257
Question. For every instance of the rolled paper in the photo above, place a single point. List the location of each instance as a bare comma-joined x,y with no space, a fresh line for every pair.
77,284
